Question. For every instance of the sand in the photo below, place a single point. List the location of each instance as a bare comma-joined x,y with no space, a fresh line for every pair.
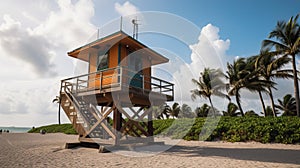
36,150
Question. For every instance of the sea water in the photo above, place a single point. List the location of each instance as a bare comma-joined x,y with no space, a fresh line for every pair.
16,129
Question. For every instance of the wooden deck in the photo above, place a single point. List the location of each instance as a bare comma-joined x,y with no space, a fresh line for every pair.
118,83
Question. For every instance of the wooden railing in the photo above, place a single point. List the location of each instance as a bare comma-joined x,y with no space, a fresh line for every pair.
116,78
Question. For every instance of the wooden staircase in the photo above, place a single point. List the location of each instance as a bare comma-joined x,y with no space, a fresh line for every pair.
92,125
83,116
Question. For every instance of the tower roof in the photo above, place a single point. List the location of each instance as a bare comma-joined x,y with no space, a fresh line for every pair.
107,42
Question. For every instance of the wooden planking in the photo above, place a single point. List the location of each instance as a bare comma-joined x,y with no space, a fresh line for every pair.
92,68
108,76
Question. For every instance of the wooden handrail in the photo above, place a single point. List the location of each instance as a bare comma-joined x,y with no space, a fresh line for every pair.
75,102
122,74
88,74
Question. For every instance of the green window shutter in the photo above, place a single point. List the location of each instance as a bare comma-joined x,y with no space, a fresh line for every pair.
102,60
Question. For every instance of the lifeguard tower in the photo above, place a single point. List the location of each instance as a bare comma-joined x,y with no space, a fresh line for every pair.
111,104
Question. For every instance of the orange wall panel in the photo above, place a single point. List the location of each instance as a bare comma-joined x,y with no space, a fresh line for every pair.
113,56
107,76
92,68
110,77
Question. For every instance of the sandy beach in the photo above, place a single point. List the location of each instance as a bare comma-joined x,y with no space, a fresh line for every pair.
36,150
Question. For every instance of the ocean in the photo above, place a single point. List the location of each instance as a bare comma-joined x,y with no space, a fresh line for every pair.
16,129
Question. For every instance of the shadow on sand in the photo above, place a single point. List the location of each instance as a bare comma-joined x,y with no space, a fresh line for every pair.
286,156
253,154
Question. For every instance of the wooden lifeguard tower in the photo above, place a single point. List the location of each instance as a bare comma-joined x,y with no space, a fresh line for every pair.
118,86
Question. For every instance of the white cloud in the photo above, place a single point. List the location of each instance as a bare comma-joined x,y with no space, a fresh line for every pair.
70,25
25,46
209,51
126,9
32,52
26,103
61,31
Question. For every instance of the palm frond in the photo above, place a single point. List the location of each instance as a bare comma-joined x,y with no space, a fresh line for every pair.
210,82
56,99
268,44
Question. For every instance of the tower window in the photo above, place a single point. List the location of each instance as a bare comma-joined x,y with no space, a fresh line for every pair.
102,61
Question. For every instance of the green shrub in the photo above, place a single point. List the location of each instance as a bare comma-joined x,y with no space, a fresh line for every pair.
236,129
232,129
63,128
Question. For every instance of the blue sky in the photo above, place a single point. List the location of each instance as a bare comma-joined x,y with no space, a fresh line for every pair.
35,36
245,23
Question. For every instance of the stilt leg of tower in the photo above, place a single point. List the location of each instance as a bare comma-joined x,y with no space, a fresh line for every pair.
117,124
150,124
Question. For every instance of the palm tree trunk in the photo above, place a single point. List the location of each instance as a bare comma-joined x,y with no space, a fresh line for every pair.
162,116
272,102
58,114
59,103
238,102
214,113
296,86
262,102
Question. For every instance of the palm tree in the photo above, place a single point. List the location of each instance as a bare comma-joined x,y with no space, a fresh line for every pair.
287,105
57,100
209,83
164,110
186,112
269,112
174,110
241,74
202,111
160,112
270,67
253,67
250,113
286,43
232,110
156,112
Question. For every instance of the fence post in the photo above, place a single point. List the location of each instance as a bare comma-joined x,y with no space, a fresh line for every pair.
76,85
121,76
160,86
143,82
101,77
173,91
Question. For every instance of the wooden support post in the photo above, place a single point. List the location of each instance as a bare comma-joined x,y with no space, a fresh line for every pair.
117,124
150,125
117,119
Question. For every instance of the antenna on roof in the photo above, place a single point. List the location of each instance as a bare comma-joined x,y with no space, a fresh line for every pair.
121,23
135,28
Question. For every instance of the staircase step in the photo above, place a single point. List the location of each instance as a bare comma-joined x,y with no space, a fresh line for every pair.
79,122
84,115
73,113
67,104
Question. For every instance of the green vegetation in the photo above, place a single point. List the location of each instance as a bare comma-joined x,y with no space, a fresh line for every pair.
231,110
232,129
237,129
63,128
287,105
